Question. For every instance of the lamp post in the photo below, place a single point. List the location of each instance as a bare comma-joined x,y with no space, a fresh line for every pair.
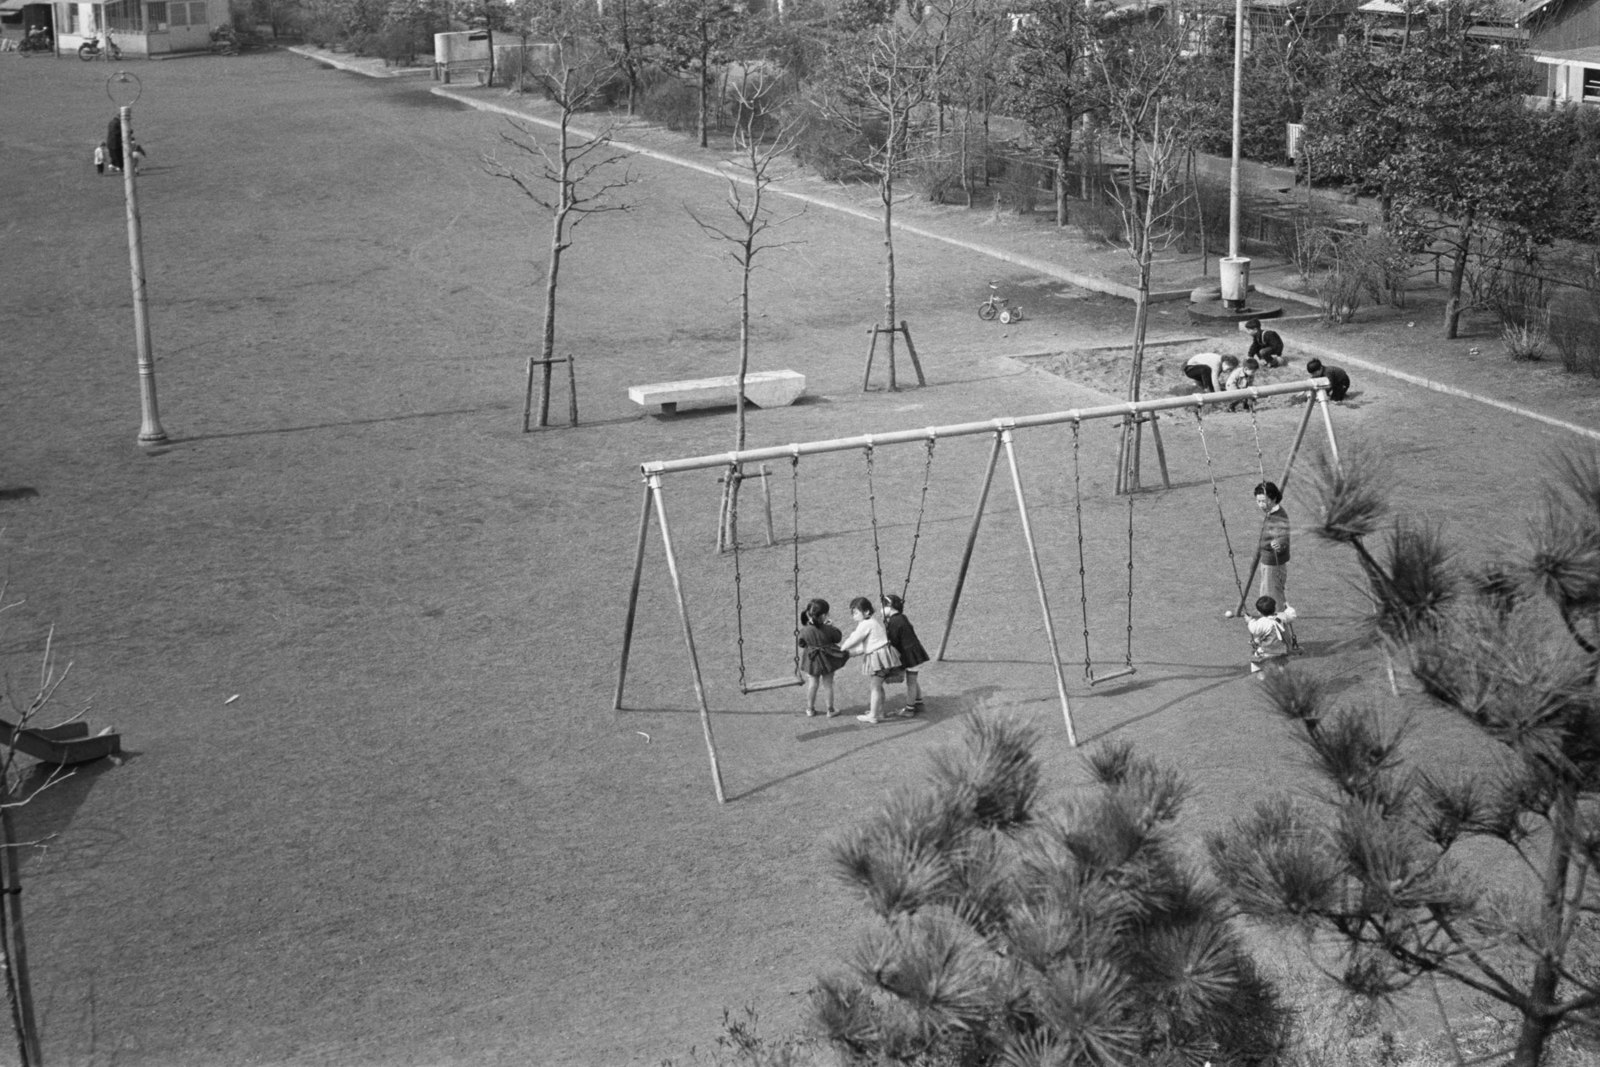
150,431
1235,274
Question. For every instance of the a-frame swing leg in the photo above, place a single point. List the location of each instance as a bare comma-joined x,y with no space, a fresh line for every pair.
633,597
1038,581
688,634
1283,486
972,539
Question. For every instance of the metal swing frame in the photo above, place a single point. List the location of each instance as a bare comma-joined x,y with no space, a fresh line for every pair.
1000,430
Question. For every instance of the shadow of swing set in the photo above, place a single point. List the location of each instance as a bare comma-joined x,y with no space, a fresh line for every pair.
1002,432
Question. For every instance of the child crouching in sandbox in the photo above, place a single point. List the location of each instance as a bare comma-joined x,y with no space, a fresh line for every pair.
878,657
820,654
1269,635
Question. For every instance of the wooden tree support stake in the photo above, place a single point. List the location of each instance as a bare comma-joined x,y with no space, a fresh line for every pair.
872,348
725,533
543,385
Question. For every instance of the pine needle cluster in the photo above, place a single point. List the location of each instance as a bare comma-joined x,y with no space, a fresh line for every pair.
1380,859
1016,931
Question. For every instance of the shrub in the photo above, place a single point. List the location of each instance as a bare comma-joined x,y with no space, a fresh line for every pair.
830,149
1099,222
1515,292
1018,191
936,178
671,103
1525,344
1012,930
1574,329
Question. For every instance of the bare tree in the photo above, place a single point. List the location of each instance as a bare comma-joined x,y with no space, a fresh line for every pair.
879,88
748,175
572,176
1137,70
23,710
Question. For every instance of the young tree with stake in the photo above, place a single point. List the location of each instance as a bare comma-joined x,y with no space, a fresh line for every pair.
1137,71
748,174
572,177
877,87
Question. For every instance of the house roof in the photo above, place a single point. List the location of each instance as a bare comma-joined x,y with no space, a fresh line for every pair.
1507,11
1589,57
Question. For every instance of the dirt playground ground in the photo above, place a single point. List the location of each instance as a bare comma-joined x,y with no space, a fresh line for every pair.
361,635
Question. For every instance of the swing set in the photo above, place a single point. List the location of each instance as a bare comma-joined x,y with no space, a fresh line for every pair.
1002,433
733,477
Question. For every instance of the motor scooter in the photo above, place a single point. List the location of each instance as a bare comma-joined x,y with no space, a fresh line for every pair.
92,49
38,39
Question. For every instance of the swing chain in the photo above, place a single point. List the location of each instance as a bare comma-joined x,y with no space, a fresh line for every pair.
872,512
922,509
1216,494
794,480
1129,656
1083,574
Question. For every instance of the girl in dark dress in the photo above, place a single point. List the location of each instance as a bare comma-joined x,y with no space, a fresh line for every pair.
903,636
819,654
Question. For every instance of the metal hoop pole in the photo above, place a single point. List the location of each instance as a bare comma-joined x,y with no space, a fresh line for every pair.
1038,581
688,635
972,539
150,430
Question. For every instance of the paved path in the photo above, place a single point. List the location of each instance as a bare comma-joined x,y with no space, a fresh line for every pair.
1485,381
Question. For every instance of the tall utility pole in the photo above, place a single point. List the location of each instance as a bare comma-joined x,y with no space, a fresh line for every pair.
1235,274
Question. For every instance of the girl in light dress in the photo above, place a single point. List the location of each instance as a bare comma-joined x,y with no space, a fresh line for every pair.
879,660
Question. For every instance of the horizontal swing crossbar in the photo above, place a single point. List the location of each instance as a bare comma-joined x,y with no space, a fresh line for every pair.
772,683
1098,679
1138,409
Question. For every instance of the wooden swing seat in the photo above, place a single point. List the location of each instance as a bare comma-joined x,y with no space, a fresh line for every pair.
772,683
1097,679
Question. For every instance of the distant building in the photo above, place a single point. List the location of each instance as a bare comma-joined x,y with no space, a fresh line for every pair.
139,27
1564,39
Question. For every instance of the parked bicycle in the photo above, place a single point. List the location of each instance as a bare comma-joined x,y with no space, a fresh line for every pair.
93,49
999,306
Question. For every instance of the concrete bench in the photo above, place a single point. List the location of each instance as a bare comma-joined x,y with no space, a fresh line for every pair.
766,389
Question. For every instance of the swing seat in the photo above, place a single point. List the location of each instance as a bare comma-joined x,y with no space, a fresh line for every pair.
772,683
1097,679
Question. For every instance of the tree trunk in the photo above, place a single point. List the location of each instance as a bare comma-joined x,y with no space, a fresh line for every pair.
547,347
705,89
886,191
744,352
1458,276
1063,152
1538,1019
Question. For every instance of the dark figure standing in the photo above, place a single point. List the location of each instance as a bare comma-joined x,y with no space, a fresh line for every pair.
1338,380
114,143
1265,345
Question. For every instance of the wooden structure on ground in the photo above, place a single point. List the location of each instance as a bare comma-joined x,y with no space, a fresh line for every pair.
1002,433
